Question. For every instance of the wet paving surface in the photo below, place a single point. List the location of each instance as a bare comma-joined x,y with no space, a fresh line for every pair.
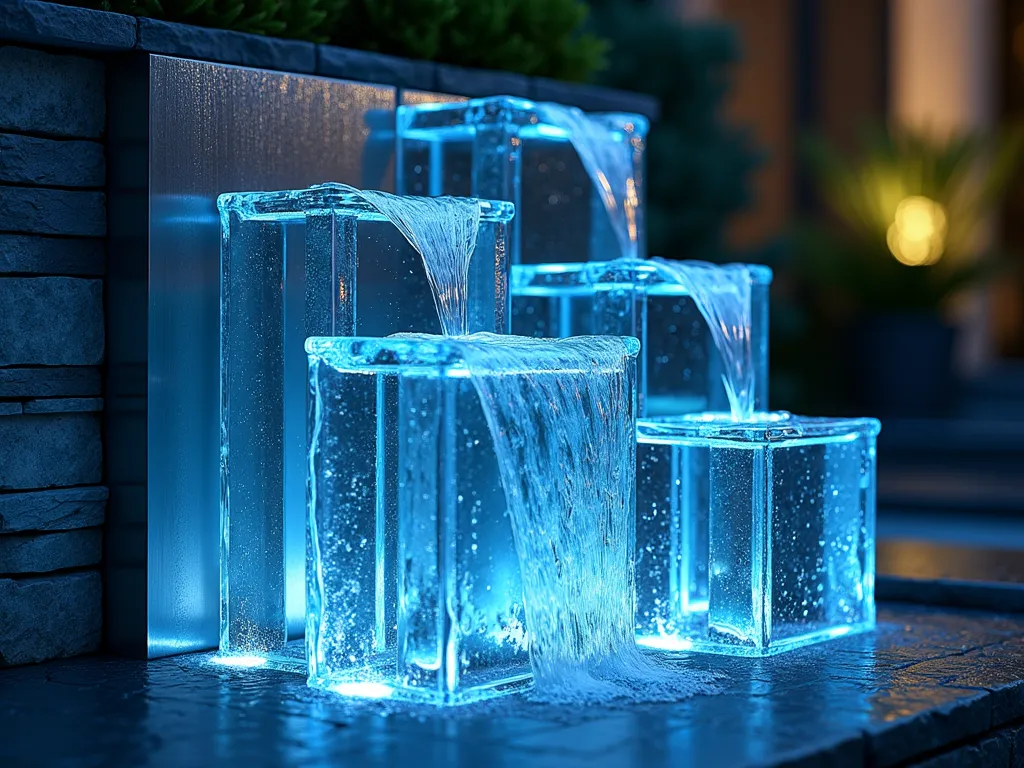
929,683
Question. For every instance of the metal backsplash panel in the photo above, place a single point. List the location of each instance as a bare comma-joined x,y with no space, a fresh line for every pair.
181,133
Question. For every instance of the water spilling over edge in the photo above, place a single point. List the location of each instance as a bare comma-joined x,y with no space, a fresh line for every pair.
608,164
722,295
563,424
443,230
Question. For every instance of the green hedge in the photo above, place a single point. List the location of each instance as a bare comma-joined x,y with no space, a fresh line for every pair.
535,37
699,166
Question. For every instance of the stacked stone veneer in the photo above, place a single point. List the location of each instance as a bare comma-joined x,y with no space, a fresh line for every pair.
52,254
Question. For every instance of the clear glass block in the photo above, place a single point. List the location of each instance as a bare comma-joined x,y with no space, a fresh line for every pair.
757,537
679,370
294,264
414,581
503,148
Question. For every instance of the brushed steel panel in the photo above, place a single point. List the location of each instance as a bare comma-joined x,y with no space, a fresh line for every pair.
215,129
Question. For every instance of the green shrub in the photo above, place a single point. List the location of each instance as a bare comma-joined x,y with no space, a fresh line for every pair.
699,166
534,37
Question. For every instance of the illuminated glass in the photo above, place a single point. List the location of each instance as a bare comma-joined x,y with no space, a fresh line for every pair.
314,262
576,180
755,537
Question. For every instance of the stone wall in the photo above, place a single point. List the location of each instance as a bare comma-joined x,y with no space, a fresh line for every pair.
52,255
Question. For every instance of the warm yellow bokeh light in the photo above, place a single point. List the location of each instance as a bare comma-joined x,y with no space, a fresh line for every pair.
917,235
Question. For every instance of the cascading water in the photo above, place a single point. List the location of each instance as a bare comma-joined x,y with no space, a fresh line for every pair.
609,166
722,295
556,431
443,230
566,447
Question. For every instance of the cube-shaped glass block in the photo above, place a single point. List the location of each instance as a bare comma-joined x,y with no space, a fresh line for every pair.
415,589
680,369
757,537
505,148
295,264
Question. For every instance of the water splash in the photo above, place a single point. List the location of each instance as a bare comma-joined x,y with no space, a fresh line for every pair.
564,435
722,295
608,164
443,230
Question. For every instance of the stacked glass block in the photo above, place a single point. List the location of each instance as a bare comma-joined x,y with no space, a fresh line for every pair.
415,589
295,264
506,148
679,370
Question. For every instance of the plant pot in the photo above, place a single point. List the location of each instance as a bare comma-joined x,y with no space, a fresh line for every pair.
901,364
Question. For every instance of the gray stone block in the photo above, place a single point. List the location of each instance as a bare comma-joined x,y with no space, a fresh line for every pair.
368,67
51,321
51,94
57,510
10,409
49,382
462,81
65,405
37,23
45,552
48,450
593,98
229,47
49,617
53,211
50,162
35,254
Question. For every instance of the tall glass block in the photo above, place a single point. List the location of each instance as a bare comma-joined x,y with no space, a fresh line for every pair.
314,262
680,369
760,535
505,148
414,582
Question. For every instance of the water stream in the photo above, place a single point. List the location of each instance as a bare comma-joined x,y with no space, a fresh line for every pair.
443,230
564,437
564,432
607,162
722,295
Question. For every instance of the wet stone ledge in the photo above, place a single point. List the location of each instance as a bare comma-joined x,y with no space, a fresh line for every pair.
54,510
929,687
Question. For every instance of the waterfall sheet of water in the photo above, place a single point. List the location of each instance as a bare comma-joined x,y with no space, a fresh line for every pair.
609,166
722,295
443,230
562,416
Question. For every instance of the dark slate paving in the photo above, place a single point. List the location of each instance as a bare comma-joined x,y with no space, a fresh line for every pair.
229,47
480,83
347,64
38,23
928,682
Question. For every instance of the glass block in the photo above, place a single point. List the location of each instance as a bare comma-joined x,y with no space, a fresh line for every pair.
680,369
314,262
757,537
505,148
414,581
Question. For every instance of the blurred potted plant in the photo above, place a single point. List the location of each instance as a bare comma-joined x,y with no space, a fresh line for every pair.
905,235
